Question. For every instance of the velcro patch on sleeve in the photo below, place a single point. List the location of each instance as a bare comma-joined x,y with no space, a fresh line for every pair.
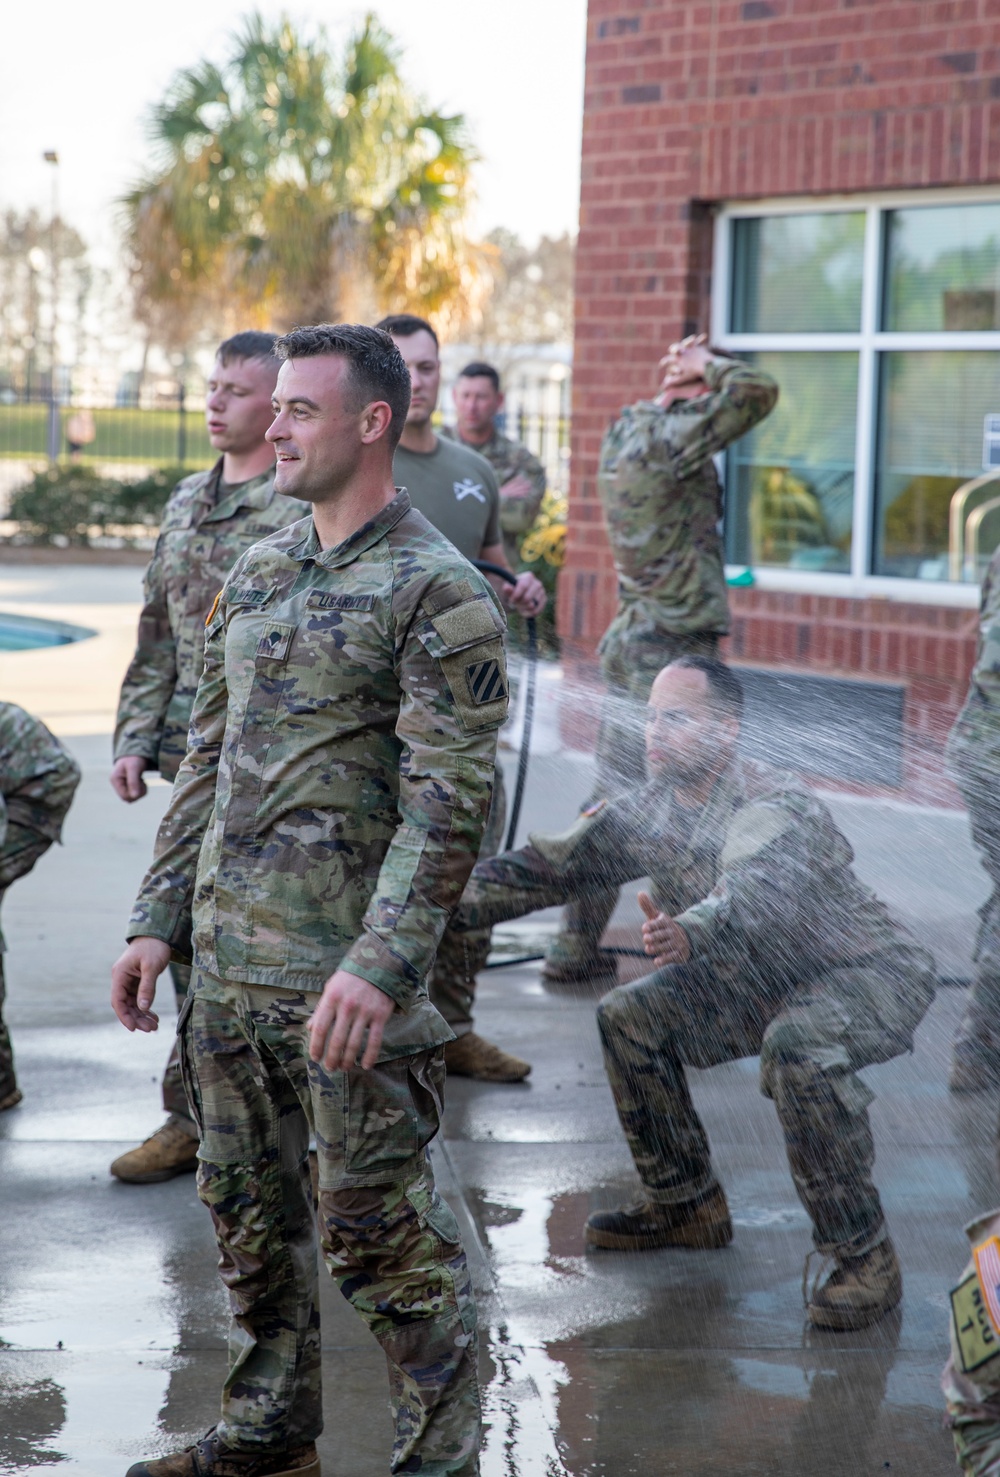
753,828
465,625
486,681
447,595
477,680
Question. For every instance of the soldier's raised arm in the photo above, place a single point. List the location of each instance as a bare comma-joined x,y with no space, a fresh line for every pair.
151,678
741,395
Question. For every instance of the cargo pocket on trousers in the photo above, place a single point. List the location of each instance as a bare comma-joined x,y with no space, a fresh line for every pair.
392,1112
188,1077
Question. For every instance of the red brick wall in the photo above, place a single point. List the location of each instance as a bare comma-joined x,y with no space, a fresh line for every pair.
687,103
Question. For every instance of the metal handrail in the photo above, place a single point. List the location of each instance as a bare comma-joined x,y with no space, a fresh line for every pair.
973,526
957,521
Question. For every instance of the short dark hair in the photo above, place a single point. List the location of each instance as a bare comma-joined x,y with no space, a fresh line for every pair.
377,368
252,343
404,325
480,370
725,689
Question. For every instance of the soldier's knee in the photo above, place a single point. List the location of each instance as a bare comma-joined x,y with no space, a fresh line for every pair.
232,1193
787,1063
614,1010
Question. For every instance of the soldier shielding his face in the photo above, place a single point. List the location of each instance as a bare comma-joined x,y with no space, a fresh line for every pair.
323,825
765,944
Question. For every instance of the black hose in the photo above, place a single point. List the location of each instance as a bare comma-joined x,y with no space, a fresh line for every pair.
529,703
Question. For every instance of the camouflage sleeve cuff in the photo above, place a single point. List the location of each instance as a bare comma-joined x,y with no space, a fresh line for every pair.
171,924
126,748
699,925
371,959
717,371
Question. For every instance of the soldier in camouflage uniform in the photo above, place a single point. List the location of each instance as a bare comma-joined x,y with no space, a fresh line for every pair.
455,489
322,827
38,779
210,519
478,401
973,756
767,944
971,1378
662,507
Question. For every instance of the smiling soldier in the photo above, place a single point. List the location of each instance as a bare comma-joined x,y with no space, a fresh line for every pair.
323,825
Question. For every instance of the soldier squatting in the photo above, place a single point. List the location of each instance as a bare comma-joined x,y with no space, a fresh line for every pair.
321,672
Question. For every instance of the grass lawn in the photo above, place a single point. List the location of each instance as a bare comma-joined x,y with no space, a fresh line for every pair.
147,436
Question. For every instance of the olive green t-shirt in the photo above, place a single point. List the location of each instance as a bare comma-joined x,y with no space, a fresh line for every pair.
456,490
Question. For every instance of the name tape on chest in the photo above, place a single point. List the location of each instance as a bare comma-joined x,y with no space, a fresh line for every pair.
337,600
248,596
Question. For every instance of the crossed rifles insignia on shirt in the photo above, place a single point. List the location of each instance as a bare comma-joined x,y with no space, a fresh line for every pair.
468,488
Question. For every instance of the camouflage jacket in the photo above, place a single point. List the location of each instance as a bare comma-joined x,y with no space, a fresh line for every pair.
510,459
662,500
341,765
200,541
37,775
973,751
760,879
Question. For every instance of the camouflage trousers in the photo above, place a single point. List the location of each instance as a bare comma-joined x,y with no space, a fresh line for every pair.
386,1235
980,1028
174,1095
632,654
810,1043
20,851
460,956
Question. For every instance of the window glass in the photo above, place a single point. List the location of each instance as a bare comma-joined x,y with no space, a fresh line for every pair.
943,269
931,432
798,273
790,483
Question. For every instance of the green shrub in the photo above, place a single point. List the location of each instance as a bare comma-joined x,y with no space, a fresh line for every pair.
74,505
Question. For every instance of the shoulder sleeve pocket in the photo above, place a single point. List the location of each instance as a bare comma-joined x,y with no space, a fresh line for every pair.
466,641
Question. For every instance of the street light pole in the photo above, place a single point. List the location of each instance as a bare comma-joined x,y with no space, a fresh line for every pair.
54,437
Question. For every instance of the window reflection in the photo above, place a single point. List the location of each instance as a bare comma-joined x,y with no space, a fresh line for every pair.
932,408
943,269
790,488
798,273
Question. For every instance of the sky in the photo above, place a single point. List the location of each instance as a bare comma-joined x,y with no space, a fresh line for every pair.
80,78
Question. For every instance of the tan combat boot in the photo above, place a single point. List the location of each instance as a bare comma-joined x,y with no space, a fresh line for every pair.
10,1099
703,1225
169,1151
858,1291
563,968
472,1056
209,1457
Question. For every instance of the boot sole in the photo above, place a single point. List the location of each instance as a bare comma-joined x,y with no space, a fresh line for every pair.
707,1239
848,1320
155,1177
489,1077
311,1471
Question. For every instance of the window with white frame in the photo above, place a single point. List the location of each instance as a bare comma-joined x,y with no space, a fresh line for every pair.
881,322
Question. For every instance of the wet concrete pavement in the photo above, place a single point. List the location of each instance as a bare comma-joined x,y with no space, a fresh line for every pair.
113,1323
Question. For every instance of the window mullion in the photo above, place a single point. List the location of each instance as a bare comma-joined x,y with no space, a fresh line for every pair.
864,455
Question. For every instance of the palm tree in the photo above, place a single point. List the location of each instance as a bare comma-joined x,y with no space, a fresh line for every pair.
288,187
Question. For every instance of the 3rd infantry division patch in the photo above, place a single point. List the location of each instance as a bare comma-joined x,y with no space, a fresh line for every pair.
486,682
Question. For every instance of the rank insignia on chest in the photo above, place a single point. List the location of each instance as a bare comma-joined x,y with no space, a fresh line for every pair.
486,682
